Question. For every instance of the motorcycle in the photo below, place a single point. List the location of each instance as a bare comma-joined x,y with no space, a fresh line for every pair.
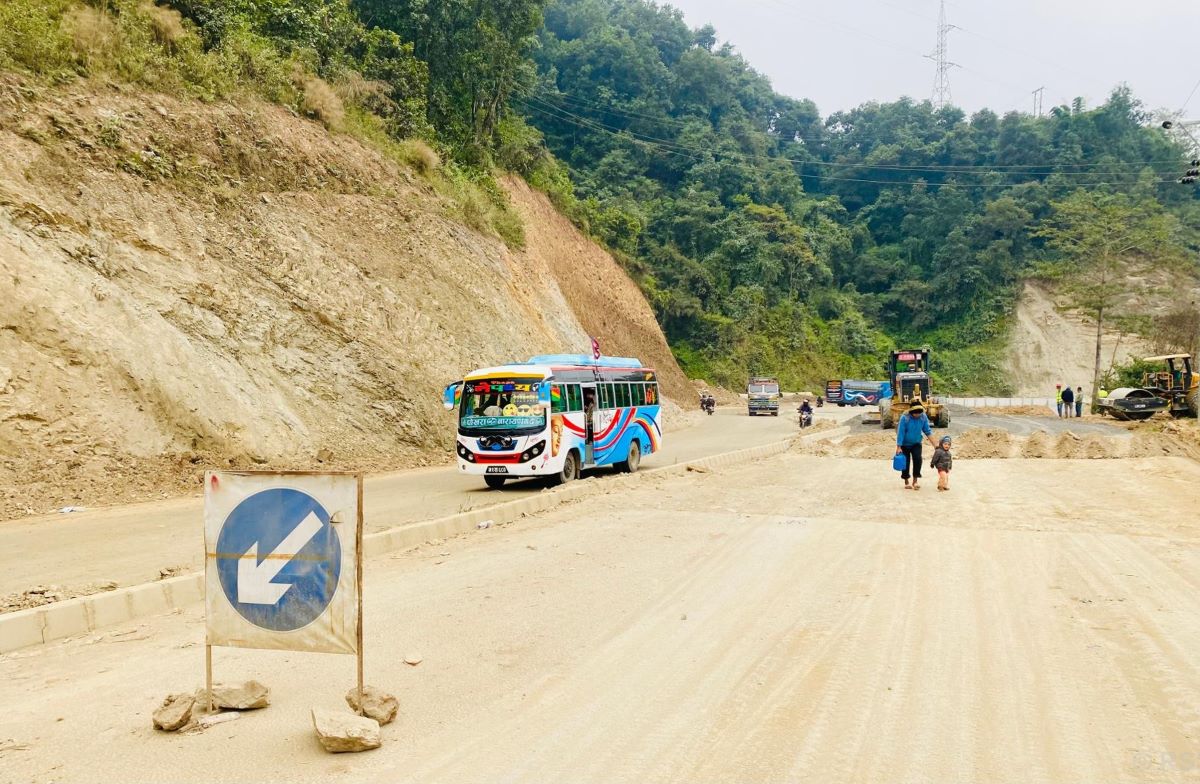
709,405
820,401
805,418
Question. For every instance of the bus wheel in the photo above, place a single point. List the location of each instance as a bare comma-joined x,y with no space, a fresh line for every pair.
634,459
569,472
493,481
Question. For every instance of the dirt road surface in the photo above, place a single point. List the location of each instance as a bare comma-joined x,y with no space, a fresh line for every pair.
130,544
796,619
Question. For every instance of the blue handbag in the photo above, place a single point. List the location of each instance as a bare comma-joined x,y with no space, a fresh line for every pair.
900,462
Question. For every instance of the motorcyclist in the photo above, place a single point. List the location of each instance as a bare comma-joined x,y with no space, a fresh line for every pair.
806,413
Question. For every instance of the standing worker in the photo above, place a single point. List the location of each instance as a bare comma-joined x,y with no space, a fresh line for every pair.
1068,402
1058,397
1079,401
909,430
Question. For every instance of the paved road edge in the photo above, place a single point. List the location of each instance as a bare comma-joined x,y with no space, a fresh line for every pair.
87,614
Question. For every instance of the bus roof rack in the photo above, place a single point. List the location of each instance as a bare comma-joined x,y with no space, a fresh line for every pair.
584,360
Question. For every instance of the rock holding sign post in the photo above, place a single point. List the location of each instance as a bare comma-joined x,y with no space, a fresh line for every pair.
376,704
174,713
250,695
341,732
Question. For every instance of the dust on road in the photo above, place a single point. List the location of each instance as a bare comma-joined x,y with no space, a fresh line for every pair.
800,618
134,543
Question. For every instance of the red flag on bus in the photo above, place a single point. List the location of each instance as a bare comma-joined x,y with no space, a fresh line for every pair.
595,349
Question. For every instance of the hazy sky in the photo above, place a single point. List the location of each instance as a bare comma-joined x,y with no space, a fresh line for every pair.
841,54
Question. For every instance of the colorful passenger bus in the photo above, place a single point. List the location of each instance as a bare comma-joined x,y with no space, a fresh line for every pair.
555,415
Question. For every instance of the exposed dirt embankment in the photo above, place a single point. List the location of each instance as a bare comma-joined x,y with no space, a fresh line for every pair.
185,285
1048,346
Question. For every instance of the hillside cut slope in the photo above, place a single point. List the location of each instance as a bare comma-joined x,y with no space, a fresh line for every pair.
1049,346
185,285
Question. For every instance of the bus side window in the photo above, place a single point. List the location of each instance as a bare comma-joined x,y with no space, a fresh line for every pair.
623,395
558,398
611,390
574,398
602,389
652,394
639,394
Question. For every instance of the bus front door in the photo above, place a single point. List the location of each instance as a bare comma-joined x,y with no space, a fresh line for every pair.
591,414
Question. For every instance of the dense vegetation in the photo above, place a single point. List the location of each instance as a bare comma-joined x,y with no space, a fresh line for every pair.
768,238
772,239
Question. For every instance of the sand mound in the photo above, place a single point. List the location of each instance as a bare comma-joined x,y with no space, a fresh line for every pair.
1038,445
868,445
1023,411
985,443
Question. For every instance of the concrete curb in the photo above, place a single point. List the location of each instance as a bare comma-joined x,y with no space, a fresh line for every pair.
86,614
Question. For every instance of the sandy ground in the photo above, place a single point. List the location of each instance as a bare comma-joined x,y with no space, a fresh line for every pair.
796,619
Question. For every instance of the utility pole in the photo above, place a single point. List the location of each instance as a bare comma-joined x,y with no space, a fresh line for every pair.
1180,130
941,82
1037,101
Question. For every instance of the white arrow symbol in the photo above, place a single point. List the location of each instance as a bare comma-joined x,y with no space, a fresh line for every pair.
254,578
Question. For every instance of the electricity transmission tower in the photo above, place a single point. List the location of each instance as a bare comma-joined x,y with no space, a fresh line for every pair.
1037,101
941,82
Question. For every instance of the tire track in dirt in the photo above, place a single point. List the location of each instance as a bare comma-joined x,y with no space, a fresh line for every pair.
659,689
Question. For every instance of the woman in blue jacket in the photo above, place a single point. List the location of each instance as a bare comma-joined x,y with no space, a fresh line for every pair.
909,430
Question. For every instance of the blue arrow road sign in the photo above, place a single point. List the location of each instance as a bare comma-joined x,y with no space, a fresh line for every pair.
279,559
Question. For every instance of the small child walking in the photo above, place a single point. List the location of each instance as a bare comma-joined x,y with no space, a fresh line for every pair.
941,463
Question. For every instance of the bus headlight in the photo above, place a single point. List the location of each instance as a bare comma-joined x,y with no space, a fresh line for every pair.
533,451
465,454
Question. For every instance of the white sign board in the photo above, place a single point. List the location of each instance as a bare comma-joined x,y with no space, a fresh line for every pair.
282,561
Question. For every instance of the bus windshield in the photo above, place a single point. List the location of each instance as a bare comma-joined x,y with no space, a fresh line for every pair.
501,405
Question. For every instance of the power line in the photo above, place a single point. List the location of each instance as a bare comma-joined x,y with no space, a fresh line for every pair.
1053,168
1183,108
677,149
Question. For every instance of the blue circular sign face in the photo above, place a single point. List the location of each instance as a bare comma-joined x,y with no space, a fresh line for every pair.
279,559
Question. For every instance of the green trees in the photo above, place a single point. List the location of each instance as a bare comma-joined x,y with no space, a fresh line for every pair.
477,55
765,237
756,220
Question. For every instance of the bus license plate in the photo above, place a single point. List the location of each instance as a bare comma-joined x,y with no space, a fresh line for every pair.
497,470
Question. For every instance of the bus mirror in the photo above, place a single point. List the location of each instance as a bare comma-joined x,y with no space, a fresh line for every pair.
451,395
543,393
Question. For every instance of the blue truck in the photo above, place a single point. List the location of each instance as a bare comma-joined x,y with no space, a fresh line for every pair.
852,392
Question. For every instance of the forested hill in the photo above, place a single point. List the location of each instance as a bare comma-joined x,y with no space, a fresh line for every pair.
769,238
772,239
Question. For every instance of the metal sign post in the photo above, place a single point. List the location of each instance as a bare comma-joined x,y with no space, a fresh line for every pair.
281,570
